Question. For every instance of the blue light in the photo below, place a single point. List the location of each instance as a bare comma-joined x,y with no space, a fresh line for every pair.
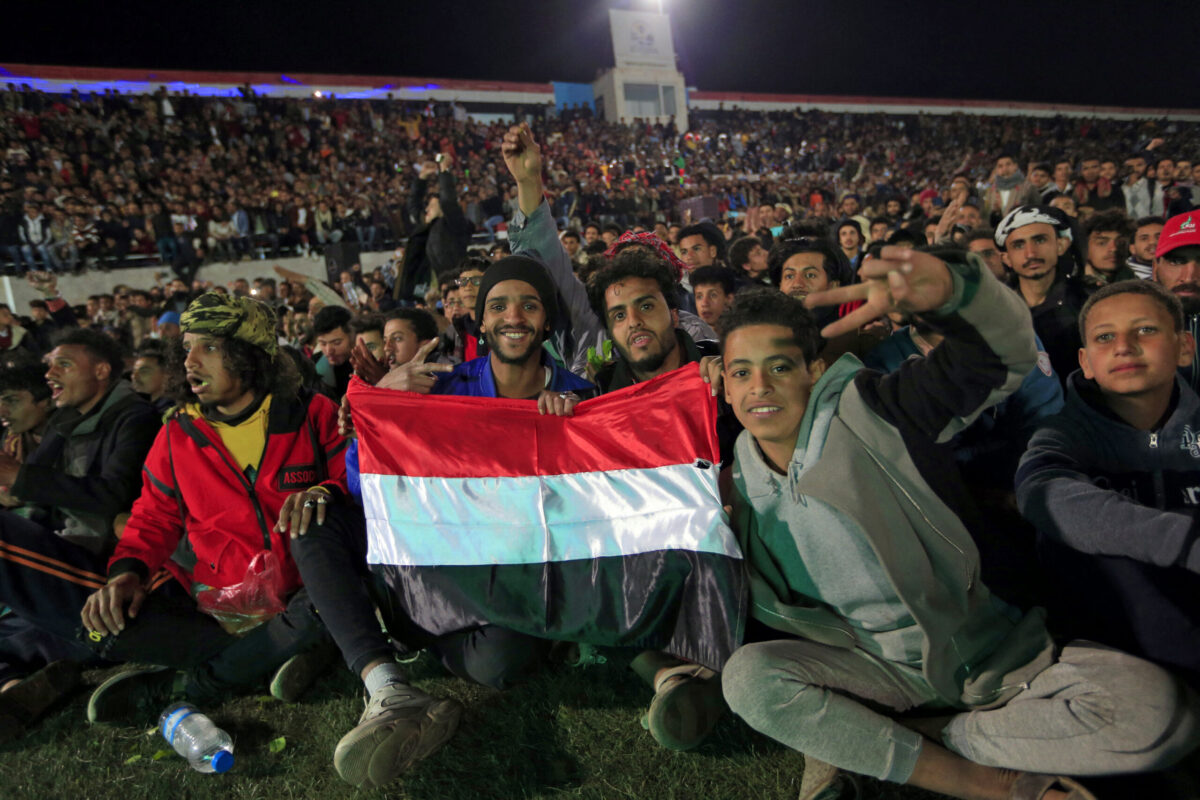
286,79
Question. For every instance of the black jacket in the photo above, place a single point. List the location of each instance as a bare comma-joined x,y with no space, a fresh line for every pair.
88,468
434,248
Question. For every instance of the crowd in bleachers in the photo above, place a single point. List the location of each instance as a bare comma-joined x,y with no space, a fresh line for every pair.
1024,292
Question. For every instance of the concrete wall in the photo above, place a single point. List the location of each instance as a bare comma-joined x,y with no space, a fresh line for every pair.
76,288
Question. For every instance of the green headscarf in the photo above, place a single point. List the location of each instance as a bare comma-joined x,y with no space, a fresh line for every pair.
232,317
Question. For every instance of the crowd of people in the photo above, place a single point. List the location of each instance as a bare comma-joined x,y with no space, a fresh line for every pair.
956,375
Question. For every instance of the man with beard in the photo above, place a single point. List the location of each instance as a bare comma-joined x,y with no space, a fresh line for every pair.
1009,190
1145,240
1177,269
516,308
1032,240
635,296
1106,240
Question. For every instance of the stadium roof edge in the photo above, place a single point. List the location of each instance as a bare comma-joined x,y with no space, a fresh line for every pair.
299,83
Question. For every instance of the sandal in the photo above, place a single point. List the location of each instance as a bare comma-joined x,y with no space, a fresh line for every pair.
824,781
26,702
1033,786
686,707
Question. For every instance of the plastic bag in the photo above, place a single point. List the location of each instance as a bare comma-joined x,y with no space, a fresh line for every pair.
246,605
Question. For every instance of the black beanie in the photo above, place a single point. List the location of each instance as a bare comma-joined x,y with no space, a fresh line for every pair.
519,268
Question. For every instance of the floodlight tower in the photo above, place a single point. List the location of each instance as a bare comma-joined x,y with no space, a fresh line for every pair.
644,82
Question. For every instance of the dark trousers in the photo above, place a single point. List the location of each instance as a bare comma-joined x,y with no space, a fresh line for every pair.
333,563
45,580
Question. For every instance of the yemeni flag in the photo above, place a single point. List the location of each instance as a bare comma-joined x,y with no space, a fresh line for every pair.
605,527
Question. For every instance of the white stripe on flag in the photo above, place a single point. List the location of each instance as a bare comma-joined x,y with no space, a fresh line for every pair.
539,519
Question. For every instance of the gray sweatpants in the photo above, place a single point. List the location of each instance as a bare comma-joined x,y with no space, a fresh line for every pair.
1096,711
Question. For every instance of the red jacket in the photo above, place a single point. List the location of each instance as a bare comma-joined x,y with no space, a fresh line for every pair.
190,483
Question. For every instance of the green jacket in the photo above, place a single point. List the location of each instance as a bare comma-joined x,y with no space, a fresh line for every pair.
880,464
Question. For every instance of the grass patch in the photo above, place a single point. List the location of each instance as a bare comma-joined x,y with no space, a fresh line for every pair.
569,733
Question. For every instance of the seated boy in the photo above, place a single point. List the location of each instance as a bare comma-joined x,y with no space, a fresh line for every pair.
846,503
1113,482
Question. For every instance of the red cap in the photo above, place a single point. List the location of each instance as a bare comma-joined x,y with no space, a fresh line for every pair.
1180,231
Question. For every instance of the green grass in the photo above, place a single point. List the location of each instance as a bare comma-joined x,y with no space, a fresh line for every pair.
569,733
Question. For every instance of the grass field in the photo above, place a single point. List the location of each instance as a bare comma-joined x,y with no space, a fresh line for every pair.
570,733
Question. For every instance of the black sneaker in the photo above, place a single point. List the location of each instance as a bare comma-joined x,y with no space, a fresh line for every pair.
135,694
301,671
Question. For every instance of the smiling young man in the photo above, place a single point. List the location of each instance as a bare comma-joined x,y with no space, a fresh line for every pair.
516,307
879,603
1122,550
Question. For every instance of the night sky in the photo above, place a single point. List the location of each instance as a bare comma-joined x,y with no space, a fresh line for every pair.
1098,52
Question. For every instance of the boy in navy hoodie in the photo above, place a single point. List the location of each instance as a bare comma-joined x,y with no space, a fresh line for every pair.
1113,482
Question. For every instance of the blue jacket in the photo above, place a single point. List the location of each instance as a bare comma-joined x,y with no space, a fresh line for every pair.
993,443
474,379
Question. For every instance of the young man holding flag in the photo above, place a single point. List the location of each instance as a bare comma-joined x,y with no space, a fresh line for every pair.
516,308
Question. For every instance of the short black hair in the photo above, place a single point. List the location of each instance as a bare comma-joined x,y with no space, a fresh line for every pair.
709,231
722,276
1044,166
1141,223
766,306
421,320
330,318
473,263
366,323
836,266
1151,289
1111,221
975,234
152,348
25,377
636,262
99,346
612,227
739,251
572,234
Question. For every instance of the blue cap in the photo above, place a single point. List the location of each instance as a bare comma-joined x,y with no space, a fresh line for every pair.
222,761
169,316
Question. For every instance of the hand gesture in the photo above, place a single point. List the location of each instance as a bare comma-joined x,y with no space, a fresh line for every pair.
560,404
428,170
522,155
297,512
899,280
711,370
446,163
105,609
366,365
416,375
346,421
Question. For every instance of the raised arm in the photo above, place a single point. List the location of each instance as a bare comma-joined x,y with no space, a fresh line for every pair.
987,352
532,233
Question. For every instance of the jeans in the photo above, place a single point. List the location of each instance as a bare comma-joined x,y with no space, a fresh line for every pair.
332,558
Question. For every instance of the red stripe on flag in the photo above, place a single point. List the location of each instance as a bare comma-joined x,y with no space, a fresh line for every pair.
668,420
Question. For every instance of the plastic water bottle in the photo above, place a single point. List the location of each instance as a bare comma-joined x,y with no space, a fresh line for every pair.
194,736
